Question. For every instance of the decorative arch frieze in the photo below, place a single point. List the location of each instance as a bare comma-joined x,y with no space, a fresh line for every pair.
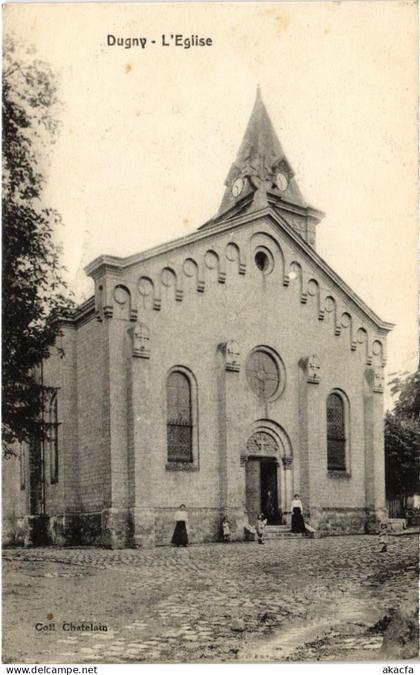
364,338
378,351
192,270
122,302
213,261
326,305
346,323
313,291
114,298
168,278
233,254
149,294
295,278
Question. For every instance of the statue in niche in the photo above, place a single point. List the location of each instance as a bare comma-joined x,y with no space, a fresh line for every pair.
232,356
378,380
313,369
141,341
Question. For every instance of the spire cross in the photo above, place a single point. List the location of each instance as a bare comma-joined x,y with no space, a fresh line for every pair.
259,174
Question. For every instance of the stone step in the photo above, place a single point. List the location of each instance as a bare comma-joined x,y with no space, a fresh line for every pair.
282,535
277,528
396,524
280,532
283,532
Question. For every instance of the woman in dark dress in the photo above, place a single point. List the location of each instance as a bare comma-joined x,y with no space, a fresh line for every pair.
298,524
180,535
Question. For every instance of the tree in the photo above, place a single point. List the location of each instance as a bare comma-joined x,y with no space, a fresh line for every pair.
402,438
33,286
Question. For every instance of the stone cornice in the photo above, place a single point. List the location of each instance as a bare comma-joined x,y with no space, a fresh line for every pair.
115,264
78,315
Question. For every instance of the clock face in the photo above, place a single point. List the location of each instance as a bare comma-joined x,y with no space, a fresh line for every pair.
281,182
237,187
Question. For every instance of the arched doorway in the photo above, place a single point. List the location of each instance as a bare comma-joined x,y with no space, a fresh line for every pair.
264,479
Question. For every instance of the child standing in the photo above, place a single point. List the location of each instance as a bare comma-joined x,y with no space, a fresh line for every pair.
226,529
261,523
383,537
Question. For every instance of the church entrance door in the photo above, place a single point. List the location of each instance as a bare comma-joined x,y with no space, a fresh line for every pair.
262,492
269,498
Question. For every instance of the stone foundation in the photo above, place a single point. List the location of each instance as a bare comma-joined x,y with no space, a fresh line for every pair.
204,525
342,521
116,528
143,528
13,531
374,518
146,528
36,531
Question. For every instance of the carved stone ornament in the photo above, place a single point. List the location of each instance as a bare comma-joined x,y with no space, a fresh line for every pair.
262,444
378,380
287,462
232,356
141,341
313,369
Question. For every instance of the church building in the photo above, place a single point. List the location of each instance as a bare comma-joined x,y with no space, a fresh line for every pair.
226,370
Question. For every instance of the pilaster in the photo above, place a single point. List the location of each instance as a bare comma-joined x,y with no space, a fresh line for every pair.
310,437
139,379
115,514
374,448
232,474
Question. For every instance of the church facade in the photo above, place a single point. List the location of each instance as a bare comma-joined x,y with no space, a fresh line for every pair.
226,370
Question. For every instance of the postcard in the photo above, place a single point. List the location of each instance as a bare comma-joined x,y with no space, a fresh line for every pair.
210,333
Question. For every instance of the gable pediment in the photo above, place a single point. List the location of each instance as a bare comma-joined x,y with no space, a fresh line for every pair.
210,257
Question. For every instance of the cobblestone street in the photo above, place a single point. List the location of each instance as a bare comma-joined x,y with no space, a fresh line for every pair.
207,602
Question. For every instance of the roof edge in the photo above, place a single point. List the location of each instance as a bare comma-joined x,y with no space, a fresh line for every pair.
117,264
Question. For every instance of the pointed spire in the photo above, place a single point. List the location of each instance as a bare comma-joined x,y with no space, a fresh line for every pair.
260,165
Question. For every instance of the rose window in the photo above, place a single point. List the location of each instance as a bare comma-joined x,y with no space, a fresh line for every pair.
263,374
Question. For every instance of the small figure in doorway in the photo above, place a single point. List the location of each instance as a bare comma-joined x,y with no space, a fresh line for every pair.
383,538
226,529
261,523
270,510
180,535
298,524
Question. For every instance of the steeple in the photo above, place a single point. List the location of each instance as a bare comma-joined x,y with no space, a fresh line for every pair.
261,177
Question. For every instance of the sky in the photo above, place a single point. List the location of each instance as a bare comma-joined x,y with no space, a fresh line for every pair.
148,135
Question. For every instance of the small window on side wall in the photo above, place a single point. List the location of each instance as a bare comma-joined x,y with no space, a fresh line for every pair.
336,433
22,465
179,417
52,435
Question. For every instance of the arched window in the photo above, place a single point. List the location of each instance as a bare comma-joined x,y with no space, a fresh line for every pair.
22,464
179,417
336,433
52,432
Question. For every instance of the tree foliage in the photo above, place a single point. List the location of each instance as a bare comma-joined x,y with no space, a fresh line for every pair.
402,438
33,286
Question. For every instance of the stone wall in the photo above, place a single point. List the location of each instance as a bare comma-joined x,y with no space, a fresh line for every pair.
14,503
182,309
